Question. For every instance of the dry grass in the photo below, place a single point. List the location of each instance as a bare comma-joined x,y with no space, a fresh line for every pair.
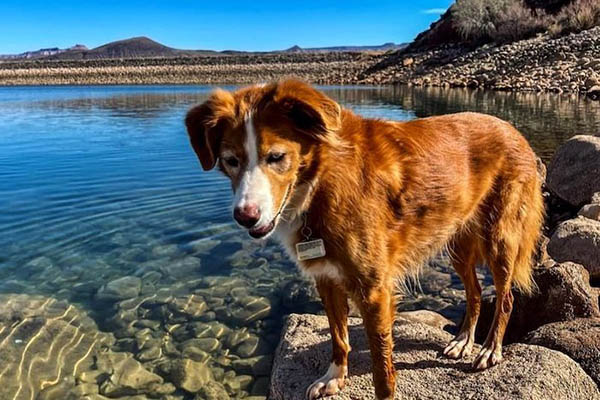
502,21
577,16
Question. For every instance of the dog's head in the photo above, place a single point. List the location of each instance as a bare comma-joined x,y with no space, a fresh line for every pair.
264,138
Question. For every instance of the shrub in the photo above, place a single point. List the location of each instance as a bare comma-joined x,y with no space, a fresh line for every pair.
476,20
518,22
504,21
577,16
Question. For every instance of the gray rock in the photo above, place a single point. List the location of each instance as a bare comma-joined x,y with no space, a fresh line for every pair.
564,293
528,372
577,240
579,339
426,317
574,173
591,211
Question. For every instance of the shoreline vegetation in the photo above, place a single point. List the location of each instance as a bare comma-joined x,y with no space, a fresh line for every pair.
505,45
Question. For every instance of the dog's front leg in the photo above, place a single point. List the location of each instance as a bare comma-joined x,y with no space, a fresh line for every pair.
335,301
377,306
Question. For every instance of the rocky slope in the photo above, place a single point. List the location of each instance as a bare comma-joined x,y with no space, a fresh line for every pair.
567,64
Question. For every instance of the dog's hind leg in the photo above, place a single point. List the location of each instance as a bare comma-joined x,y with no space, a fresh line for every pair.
378,306
511,231
335,301
491,352
464,253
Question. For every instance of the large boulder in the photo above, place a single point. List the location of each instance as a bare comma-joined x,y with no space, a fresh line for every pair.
563,294
577,240
528,371
579,339
574,173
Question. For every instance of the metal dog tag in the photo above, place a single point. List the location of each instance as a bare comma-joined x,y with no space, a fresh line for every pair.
310,250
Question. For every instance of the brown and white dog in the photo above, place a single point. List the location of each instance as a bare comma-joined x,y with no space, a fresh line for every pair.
360,203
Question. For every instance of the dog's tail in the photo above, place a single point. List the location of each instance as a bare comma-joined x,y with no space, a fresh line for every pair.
530,238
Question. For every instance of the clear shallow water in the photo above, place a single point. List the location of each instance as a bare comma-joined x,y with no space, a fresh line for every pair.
99,183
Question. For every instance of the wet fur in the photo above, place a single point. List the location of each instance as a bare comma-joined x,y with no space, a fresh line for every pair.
384,197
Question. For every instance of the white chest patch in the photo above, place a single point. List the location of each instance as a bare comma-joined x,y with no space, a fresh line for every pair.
323,269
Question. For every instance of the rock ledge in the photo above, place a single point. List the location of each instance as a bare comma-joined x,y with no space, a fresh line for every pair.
528,371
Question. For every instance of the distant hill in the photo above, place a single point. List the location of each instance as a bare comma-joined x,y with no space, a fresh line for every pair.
137,47
41,53
143,47
383,47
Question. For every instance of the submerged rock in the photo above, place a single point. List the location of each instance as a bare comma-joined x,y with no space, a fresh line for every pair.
191,306
527,372
190,375
126,376
256,366
251,309
212,391
204,246
123,288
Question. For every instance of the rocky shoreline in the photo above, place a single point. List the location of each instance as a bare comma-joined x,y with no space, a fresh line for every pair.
321,68
569,64
558,326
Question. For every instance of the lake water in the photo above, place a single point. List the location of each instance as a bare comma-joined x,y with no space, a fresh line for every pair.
109,230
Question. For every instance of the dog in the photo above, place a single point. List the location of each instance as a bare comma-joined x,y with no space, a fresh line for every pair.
361,203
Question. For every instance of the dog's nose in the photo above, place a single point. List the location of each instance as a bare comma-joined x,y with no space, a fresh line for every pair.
247,216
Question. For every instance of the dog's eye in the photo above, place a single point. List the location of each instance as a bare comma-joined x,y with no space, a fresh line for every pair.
232,161
275,158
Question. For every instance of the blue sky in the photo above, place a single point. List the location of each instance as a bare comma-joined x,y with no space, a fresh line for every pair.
213,24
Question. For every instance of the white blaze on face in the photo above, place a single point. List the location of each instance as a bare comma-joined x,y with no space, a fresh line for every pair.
254,187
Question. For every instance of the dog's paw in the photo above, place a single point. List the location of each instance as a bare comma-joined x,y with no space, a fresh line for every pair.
329,384
461,346
490,355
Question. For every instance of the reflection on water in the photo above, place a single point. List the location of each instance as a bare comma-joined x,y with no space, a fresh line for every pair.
119,256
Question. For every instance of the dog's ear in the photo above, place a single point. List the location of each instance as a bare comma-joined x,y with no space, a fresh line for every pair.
307,108
205,124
